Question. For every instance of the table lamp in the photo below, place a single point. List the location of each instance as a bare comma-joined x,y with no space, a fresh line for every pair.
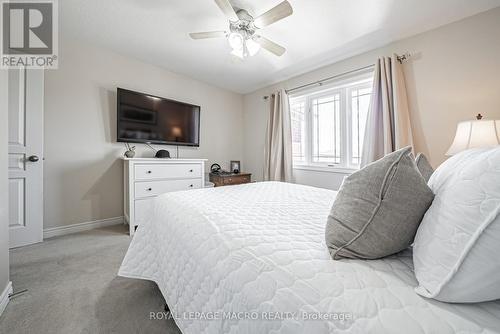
476,133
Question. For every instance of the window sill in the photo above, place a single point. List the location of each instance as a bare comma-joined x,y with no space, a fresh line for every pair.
325,169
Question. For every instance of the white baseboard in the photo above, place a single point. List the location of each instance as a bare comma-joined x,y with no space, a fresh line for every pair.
74,228
4,298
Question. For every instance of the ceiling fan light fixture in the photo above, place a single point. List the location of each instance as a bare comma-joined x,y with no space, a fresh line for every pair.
252,47
236,41
242,37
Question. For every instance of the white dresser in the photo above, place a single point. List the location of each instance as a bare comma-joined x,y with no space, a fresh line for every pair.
146,178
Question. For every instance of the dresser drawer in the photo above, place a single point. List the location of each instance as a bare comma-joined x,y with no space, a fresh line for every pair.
236,180
172,171
155,188
230,179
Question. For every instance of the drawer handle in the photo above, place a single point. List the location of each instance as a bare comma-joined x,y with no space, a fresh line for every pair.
190,186
149,189
190,170
149,172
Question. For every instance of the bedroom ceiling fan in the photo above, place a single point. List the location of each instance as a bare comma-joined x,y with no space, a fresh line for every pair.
242,35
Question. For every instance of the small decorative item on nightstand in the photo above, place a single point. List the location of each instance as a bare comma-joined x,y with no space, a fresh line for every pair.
235,166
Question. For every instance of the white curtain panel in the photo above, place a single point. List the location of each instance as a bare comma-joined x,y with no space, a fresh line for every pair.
388,126
278,149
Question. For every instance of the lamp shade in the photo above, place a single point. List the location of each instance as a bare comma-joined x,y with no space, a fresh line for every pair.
473,134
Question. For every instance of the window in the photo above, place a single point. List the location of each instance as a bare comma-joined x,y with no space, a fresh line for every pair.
328,125
298,115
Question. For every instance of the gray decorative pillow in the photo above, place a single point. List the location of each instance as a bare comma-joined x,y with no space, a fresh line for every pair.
424,166
378,209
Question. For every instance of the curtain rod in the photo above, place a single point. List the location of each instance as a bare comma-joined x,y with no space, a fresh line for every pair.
320,82
400,58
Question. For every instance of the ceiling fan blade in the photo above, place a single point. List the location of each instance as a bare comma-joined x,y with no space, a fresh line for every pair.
207,34
275,14
269,45
227,9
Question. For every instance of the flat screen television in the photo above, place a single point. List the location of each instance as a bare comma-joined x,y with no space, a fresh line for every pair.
144,118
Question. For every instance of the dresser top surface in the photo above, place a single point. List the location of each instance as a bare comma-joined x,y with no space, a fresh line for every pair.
162,160
231,174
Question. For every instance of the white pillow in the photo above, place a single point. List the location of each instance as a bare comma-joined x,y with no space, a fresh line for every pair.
456,253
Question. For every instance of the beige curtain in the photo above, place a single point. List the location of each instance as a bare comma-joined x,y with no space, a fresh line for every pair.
388,125
278,149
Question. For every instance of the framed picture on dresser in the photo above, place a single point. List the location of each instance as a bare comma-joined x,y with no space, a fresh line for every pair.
235,166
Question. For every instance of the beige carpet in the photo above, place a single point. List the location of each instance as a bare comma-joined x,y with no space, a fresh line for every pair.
73,288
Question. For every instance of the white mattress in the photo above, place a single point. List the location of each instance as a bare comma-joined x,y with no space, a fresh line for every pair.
259,248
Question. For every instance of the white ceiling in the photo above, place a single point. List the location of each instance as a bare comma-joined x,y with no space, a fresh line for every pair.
319,32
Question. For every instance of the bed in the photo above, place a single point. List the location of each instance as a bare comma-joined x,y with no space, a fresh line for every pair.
252,259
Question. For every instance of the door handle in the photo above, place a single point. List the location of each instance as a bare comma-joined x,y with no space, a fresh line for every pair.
33,158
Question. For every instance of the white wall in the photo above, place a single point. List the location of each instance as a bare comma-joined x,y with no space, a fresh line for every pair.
82,172
4,216
453,75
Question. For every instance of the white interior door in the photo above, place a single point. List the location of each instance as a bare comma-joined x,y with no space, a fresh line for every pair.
25,157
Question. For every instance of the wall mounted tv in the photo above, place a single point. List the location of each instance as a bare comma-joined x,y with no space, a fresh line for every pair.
144,118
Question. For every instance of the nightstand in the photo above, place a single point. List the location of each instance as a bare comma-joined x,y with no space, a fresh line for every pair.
230,179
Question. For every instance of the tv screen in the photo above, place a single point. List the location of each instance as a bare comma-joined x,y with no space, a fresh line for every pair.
144,118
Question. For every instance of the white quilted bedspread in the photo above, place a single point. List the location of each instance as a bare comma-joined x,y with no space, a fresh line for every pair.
259,248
